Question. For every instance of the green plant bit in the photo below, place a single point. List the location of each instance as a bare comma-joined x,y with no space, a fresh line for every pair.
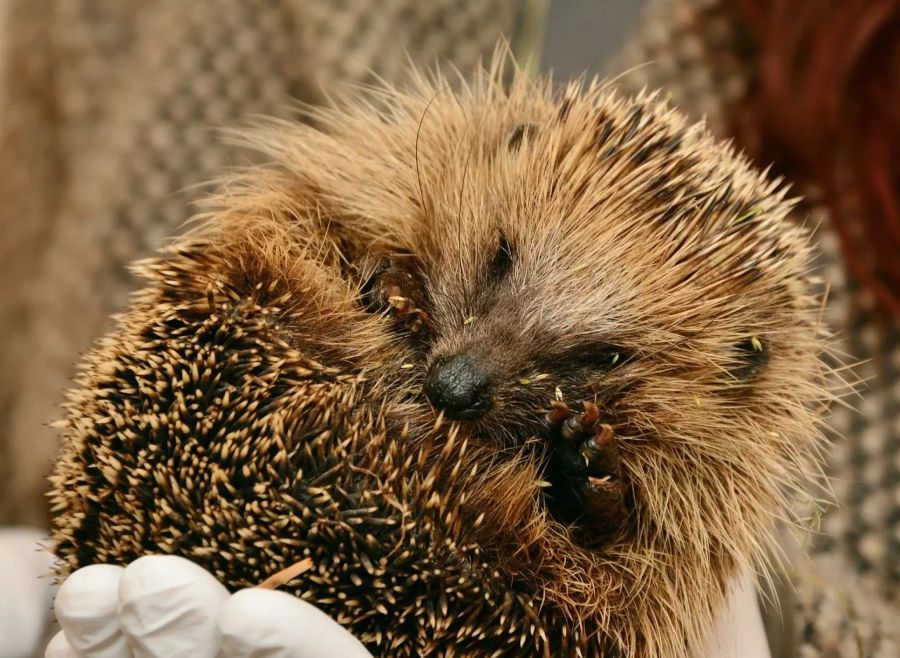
750,214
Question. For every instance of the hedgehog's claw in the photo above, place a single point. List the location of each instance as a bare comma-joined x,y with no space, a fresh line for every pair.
577,428
590,416
585,472
559,411
601,454
398,302
417,318
395,287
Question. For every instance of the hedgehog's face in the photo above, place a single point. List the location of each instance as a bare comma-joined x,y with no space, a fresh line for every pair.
518,318
508,329
584,248
607,253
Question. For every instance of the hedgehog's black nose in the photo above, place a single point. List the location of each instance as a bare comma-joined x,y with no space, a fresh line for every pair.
459,386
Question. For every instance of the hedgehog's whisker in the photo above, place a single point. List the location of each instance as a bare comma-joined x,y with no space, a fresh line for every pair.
418,135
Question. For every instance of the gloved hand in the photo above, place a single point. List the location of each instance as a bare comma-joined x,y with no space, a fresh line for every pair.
168,607
739,631
26,595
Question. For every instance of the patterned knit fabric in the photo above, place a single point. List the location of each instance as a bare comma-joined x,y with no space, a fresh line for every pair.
108,118
843,600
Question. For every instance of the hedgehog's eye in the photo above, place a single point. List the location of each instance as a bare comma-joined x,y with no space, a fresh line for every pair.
752,355
502,261
597,356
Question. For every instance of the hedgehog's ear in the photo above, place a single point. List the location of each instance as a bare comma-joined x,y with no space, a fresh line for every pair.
750,358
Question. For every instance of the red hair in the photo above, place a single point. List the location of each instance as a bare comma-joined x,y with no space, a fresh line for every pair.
825,109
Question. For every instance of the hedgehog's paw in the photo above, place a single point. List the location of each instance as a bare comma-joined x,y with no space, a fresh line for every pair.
584,472
395,287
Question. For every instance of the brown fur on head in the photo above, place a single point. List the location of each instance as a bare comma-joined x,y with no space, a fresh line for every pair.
571,243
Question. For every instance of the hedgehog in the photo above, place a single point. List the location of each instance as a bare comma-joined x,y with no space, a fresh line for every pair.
521,369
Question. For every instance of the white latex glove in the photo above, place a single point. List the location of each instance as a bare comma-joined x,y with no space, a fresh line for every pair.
165,606
168,607
26,595
739,631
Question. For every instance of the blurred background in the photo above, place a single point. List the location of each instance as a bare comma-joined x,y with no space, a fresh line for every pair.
108,118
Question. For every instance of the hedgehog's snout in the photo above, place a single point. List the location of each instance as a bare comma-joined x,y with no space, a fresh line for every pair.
459,386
